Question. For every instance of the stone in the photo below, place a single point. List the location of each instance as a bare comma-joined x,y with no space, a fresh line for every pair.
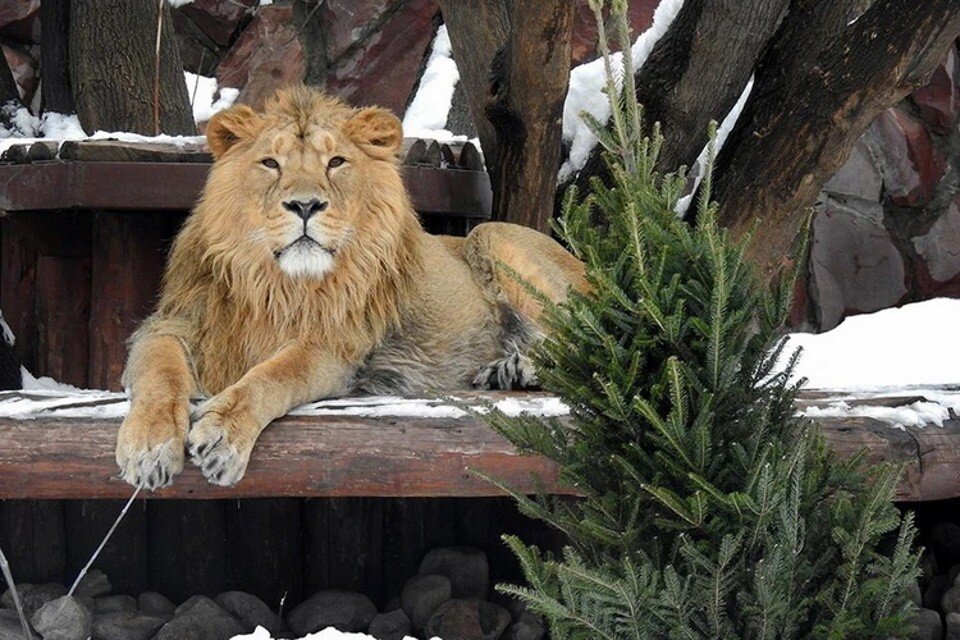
266,57
910,164
394,625
945,540
94,584
10,625
219,19
15,10
24,69
859,176
33,596
855,265
466,568
200,627
251,611
938,102
200,605
953,626
345,610
468,619
940,249
115,604
63,619
584,36
950,600
385,67
124,625
152,603
928,625
914,592
421,596
934,591
393,604
527,627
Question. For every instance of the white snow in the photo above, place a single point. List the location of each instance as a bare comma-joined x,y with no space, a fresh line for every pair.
327,634
426,117
206,97
723,132
586,89
179,3
917,414
915,344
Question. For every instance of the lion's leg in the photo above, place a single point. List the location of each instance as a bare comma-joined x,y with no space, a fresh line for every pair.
227,425
542,264
150,440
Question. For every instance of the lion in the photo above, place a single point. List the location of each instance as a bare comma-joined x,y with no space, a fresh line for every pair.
304,273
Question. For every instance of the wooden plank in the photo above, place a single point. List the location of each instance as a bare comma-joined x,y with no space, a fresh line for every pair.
264,548
354,537
121,151
332,456
129,251
63,312
32,537
187,548
18,280
175,186
124,559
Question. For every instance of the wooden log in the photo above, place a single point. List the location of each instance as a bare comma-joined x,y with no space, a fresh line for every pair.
187,548
413,150
470,158
264,548
330,456
121,151
32,538
124,560
432,156
128,257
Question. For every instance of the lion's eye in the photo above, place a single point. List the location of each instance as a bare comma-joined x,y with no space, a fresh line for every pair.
270,163
336,161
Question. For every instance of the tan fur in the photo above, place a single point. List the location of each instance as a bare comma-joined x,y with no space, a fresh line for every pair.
262,321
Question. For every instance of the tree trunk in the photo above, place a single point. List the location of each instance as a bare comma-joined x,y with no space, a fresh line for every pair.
817,89
119,82
514,61
695,74
56,93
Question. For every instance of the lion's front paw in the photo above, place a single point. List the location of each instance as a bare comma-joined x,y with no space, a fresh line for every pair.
514,371
150,445
222,437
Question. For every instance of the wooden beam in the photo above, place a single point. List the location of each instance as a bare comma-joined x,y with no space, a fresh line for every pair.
295,457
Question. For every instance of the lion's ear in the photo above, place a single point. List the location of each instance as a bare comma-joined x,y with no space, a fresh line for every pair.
377,131
228,127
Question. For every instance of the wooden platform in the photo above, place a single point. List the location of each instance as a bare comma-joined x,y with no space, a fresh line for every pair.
352,454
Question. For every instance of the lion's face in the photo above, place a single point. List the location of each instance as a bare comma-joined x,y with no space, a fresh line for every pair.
302,171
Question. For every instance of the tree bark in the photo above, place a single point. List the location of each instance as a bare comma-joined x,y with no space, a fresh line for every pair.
817,89
514,60
57,94
117,82
695,74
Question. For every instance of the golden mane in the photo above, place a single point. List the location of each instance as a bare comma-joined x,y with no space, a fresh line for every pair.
246,307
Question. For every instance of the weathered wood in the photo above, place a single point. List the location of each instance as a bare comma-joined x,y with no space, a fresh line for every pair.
411,527
122,151
172,186
432,156
413,150
819,85
32,538
18,279
124,560
264,548
354,538
63,313
470,157
57,94
329,456
187,548
120,81
122,297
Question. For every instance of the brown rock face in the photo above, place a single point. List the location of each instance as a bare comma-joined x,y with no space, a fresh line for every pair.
584,44
938,270
24,70
910,164
14,10
219,19
383,70
266,57
939,102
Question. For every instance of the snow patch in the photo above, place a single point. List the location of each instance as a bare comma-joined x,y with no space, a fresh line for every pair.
586,89
207,97
912,345
327,634
179,3
918,414
426,117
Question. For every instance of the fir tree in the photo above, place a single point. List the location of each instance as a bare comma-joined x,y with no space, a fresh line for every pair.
709,509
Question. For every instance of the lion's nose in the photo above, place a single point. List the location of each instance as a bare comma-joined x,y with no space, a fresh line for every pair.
305,208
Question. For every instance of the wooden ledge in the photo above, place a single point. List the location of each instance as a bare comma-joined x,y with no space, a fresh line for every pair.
425,455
